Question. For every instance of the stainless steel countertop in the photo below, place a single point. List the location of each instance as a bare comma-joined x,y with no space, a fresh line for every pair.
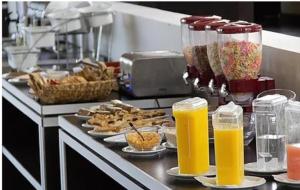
154,167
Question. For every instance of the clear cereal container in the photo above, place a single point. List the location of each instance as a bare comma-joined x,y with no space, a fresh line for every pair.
185,39
212,47
240,50
199,49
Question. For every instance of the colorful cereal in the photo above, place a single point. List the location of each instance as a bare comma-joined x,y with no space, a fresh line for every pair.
240,59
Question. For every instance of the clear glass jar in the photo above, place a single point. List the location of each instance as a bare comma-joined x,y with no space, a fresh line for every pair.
185,38
240,50
229,144
292,120
199,49
270,132
212,49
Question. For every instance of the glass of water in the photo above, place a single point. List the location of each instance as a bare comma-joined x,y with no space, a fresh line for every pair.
270,132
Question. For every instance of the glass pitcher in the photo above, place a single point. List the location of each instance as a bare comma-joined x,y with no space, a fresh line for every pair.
270,132
191,118
229,144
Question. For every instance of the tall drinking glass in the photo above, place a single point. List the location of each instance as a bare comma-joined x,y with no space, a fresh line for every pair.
292,115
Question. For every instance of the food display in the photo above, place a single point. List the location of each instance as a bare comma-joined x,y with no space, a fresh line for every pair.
240,50
191,118
229,144
187,47
116,116
92,83
212,46
199,50
148,141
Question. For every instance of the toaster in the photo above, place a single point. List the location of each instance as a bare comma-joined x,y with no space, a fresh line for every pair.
153,73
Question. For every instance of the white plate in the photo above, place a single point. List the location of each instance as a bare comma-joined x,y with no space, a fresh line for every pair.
249,182
252,167
169,146
130,150
85,125
282,178
118,139
103,134
83,117
175,173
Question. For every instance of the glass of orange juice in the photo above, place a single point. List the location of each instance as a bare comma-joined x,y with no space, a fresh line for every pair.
191,119
229,144
292,115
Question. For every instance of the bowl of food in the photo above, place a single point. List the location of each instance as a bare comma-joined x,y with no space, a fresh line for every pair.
170,134
144,139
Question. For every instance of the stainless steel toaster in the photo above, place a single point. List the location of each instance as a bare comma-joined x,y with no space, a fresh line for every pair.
153,73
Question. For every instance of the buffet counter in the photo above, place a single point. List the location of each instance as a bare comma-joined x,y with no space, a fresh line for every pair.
132,172
37,159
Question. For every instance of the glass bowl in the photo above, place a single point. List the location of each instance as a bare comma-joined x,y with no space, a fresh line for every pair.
152,138
170,134
291,95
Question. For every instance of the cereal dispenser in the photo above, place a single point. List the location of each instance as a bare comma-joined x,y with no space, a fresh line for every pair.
240,52
212,50
199,50
187,46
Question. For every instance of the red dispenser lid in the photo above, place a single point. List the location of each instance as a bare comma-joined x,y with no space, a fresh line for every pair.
200,24
239,27
215,24
191,19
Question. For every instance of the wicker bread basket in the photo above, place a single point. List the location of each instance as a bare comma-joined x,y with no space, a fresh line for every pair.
70,92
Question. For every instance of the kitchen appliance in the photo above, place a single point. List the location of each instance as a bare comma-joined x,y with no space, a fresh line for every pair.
22,57
39,36
153,73
213,51
240,53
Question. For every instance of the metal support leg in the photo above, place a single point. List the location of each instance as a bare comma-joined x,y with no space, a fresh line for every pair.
62,163
42,157
81,46
99,44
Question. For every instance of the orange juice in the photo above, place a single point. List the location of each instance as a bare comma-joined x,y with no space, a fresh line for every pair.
229,155
229,144
293,161
192,135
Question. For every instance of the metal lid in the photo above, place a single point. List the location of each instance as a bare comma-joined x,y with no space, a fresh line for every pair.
189,104
215,24
239,27
191,19
200,24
